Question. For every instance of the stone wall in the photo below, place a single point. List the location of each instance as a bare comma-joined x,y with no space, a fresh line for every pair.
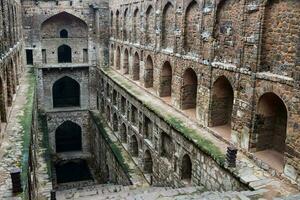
238,46
81,118
105,161
11,55
47,78
145,133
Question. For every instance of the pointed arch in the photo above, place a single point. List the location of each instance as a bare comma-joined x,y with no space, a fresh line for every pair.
136,67
221,107
149,72
148,162
123,133
125,24
118,24
191,25
186,168
189,89
270,123
166,80
66,93
115,122
118,58
134,146
150,26
136,26
126,62
52,26
64,54
68,137
168,26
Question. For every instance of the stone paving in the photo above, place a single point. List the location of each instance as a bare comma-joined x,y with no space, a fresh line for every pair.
11,145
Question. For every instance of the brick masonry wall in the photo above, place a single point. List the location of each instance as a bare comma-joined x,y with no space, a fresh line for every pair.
237,41
149,130
105,163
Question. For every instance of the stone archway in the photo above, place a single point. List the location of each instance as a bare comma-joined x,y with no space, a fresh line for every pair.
192,34
134,146
270,129
123,133
136,67
168,26
189,90
108,114
68,137
148,162
186,169
221,107
271,123
126,62
149,72
166,80
118,58
66,93
115,123
64,54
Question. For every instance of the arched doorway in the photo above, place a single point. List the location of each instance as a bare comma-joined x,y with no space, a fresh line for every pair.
112,57
126,62
136,67
167,146
148,163
64,54
64,33
150,26
66,93
115,123
186,169
270,129
134,146
192,34
168,26
108,113
221,107
149,72
118,58
123,133
166,80
68,137
189,91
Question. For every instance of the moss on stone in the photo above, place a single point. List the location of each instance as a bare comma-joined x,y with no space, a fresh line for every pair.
116,149
25,121
42,123
192,135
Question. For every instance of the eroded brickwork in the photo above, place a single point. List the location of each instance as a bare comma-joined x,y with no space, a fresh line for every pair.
11,55
250,45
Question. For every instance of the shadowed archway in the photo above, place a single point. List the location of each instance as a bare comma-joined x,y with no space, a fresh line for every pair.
68,137
66,93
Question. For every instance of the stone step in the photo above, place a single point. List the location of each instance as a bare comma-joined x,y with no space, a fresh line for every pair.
118,192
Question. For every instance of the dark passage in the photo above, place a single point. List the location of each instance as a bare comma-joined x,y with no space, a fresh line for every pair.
29,57
73,171
64,53
66,93
68,137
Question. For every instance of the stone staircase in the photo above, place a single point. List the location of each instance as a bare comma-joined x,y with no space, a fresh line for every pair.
117,192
